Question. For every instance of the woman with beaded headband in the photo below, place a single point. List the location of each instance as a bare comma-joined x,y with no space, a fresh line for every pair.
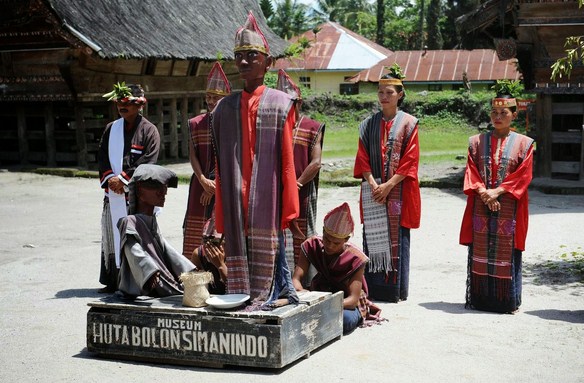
387,162
201,200
494,225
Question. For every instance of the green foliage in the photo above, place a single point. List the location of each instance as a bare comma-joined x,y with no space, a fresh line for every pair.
396,72
565,267
574,52
434,40
120,91
271,79
511,87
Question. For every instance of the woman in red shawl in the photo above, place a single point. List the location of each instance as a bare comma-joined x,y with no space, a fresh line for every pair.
387,162
494,225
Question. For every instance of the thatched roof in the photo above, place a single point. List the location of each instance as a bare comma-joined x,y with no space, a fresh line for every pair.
164,29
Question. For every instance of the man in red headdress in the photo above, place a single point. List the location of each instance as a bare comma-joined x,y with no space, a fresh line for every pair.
127,142
202,188
340,266
308,137
256,192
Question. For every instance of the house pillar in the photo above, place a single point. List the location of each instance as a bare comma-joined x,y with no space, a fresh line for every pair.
184,127
51,144
80,136
544,135
173,129
22,140
160,126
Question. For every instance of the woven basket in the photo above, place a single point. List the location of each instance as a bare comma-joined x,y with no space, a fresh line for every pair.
195,283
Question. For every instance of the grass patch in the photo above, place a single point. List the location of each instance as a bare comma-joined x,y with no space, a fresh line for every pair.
566,267
442,138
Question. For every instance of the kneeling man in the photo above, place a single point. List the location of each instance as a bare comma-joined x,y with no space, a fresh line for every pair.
149,265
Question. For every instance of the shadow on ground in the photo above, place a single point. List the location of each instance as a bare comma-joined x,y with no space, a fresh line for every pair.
570,316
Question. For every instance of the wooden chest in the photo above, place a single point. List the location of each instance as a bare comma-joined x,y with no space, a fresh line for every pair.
162,330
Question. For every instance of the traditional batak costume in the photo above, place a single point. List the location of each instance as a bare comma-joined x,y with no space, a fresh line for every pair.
256,193
144,249
334,273
122,149
387,148
496,239
307,133
200,132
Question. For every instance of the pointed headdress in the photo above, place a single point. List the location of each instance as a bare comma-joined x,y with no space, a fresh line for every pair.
285,84
338,222
250,37
217,82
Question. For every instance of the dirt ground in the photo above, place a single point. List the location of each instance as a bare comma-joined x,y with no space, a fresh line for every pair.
49,262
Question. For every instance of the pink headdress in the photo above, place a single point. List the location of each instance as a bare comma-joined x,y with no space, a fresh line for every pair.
285,84
338,222
250,37
217,82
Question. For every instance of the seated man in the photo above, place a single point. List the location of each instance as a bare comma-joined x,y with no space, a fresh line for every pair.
210,256
340,266
149,264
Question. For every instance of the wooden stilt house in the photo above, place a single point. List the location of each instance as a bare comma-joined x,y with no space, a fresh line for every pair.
534,32
57,58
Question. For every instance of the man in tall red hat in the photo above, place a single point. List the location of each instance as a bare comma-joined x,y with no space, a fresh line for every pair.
127,142
202,188
308,136
256,192
340,266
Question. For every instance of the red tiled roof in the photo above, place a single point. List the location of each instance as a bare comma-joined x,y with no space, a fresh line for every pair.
443,66
330,45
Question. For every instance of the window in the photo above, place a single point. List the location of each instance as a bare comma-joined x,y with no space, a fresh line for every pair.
349,89
304,81
434,87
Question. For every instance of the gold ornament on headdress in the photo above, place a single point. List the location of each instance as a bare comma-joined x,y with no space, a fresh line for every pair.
504,102
250,37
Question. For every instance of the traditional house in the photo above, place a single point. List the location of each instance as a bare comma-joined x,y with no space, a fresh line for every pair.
335,55
441,70
57,58
535,32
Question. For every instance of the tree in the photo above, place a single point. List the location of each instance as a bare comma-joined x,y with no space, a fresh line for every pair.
453,9
433,25
267,9
379,35
574,51
401,25
289,18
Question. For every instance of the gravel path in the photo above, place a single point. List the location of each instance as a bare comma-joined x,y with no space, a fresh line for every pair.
49,261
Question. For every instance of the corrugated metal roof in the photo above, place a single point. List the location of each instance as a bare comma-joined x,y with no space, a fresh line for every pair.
335,47
443,66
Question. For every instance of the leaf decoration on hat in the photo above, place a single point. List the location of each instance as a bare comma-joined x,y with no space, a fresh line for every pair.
395,71
120,91
513,88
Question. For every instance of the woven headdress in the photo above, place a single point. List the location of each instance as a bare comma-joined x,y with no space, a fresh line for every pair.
250,37
338,222
396,76
285,84
506,87
132,93
217,82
